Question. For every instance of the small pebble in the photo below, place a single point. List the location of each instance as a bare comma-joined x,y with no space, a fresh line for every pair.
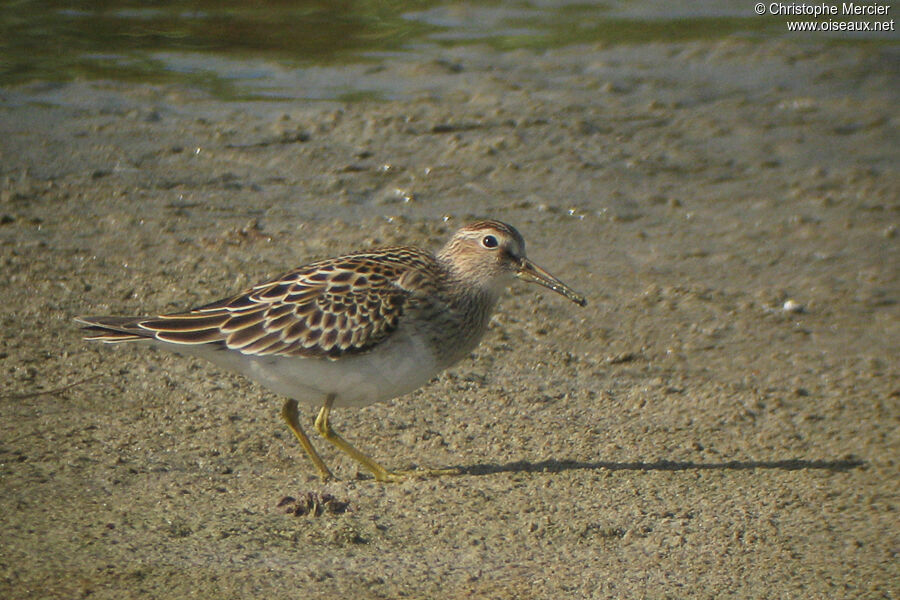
793,306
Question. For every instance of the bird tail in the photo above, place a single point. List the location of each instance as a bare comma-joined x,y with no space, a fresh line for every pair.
114,330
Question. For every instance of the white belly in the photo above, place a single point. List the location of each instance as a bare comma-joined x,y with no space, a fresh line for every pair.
398,366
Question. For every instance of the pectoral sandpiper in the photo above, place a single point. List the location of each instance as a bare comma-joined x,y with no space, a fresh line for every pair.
351,330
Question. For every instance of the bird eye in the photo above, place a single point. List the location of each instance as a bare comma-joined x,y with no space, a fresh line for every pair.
489,241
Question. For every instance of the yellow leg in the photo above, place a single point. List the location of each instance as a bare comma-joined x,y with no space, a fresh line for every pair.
323,426
289,414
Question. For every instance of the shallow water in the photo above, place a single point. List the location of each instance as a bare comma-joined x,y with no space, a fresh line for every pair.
290,50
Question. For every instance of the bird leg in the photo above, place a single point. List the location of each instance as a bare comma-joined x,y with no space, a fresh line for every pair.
289,414
323,426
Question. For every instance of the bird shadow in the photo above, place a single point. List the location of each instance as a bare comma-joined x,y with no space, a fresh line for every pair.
558,466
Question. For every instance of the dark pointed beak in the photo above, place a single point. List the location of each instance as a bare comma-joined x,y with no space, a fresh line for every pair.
528,271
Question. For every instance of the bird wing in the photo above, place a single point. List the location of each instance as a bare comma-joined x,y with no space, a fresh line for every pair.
325,309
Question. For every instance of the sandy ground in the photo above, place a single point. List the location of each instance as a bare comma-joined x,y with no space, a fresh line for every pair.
720,421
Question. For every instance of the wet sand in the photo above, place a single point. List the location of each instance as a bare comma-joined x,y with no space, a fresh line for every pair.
720,421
